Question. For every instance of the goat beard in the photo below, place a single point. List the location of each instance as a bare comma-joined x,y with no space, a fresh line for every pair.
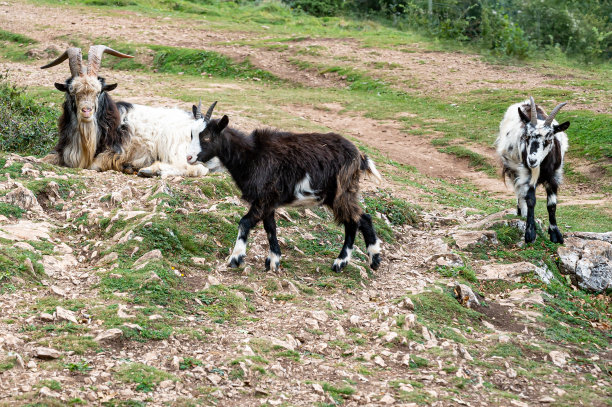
81,153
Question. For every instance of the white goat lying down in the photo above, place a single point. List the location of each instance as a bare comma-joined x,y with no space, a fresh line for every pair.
531,146
99,134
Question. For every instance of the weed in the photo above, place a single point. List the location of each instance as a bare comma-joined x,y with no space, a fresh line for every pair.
80,367
145,377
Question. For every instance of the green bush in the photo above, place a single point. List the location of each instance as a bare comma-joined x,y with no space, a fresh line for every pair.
319,8
27,126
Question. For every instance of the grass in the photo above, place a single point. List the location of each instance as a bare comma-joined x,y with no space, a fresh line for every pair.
145,377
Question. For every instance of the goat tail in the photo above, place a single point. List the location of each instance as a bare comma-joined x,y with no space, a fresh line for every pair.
367,165
346,202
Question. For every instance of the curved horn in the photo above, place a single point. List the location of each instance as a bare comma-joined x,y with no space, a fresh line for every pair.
210,110
554,112
198,114
75,60
95,57
534,113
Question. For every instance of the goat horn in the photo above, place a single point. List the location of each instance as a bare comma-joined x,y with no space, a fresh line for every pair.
210,110
534,113
198,114
75,60
554,112
95,57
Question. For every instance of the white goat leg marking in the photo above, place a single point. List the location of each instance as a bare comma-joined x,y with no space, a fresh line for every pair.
239,248
374,249
274,260
340,262
552,199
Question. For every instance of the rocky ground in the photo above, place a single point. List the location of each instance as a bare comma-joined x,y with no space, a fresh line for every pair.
106,306
115,291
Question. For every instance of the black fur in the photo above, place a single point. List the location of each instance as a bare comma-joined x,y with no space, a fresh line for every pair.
268,164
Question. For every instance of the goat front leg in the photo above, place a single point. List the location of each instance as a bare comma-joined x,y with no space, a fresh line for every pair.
274,256
372,242
245,225
350,231
530,229
551,205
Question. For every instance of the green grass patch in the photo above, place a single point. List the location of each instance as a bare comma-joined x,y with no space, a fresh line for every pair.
16,38
145,377
476,160
10,211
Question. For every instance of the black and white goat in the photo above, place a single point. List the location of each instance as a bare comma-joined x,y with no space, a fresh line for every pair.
532,145
274,168
97,133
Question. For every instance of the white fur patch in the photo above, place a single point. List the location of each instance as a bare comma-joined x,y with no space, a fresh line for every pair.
274,261
304,194
343,261
239,248
372,169
374,248
552,199
194,147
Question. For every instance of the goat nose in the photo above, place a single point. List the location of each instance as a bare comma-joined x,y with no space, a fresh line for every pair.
189,157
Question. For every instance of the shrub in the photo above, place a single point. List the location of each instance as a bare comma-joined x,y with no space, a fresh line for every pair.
319,8
27,126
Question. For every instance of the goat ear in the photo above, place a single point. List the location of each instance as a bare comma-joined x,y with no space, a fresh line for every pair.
61,87
194,110
561,127
108,88
223,123
523,116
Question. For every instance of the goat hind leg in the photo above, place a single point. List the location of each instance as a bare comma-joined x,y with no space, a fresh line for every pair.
551,205
273,259
371,240
350,231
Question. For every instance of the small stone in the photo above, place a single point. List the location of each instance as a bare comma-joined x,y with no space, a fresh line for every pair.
215,379
379,361
166,384
47,392
546,399
311,323
464,353
31,365
317,388
390,337
46,353
511,373
320,316
46,317
176,363
387,399
465,296
57,291
65,315
155,317
212,280
354,319
109,335
409,321
407,304
558,358
406,359
152,255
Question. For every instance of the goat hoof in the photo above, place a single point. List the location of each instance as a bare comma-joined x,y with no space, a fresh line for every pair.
146,173
236,261
375,262
555,235
530,235
272,265
339,265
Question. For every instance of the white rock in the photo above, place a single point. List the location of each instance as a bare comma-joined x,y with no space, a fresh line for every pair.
354,319
379,361
109,335
65,315
47,392
558,358
215,379
57,291
320,316
317,388
387,399
46,353
390,337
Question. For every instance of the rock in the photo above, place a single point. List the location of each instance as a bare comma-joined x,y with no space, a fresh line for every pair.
588,262
166,384
11,341
26,230
465,295
122,312
57,291
354,320
46,353
317,388
558,358
546,399
511,373
31,364
109,258
22,197
155,317
109,335
215,379
176,363
311,323
464,353
65,315
387,399
407,304
46,317
212,280
379,361
283,344
605,237
406,359
47,392
320,316
390,337
469,238
513,272
132,326
409,321
152,255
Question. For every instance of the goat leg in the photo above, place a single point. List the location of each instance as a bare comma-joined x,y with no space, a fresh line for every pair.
372,242
530,229
273,259
245,225
350,231
551,205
